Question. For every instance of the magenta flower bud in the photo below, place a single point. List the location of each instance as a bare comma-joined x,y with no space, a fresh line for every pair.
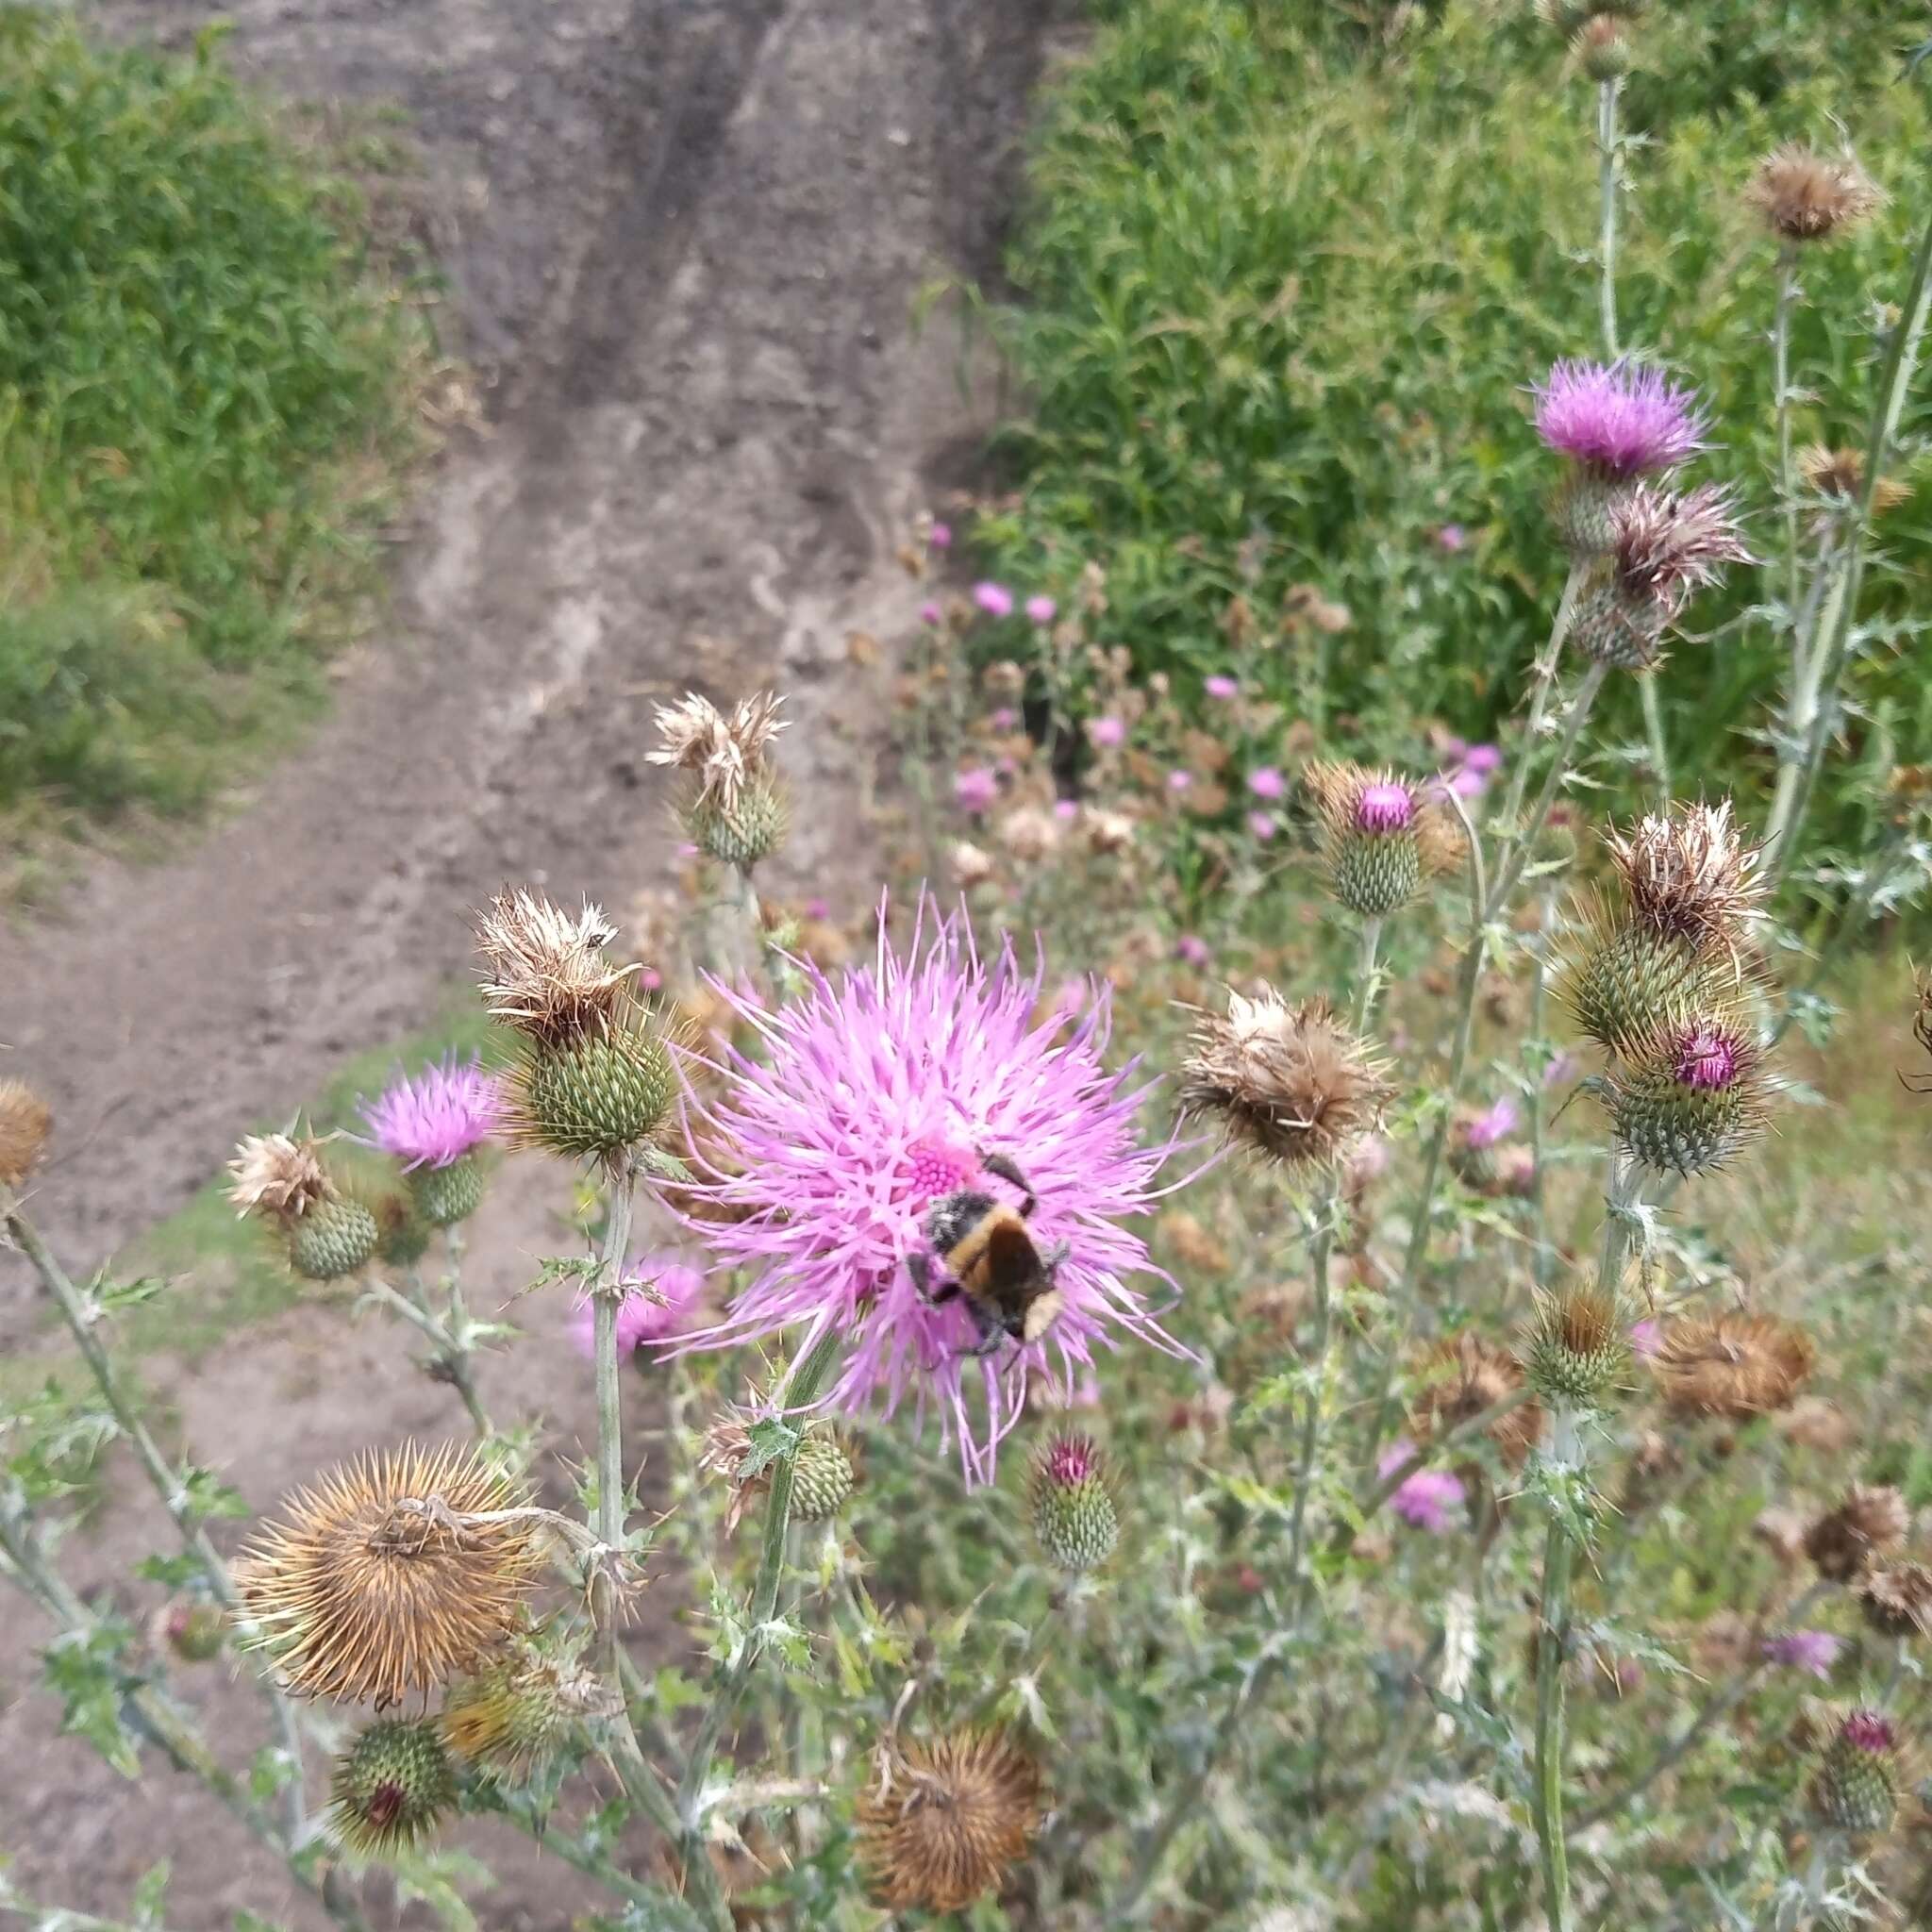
1451,537
1066,811
940,537
1815,1651
930,613
975,789
1262,825
1495,1123
1005,719
1193,948
1384,807
1425,1499
1482,757
1180,781
1868,1730
1706,1060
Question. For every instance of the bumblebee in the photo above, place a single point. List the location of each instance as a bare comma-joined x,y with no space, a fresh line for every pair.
991,1261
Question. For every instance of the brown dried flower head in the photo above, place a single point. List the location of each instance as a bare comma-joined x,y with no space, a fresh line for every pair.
379,1581
1806,197
1464,1375
940,1823
728,1445
546,972
1839,474
1896,1599
1869,1523
1290,1082
276,1174
1688,877
1733,1366
725,752
26,1122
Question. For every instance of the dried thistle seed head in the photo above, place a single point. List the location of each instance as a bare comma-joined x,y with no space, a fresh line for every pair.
1896,1599
1804,196
1839,474
1074,1519
545,970
595,1095
1292,1083
1869,1523
375,1583
1623,983
1733,1366
1665,546
1381,839
1466,1374
510,1716
1578,1350
390,1788
1688,877
278,1177
26,1122
1691,1095
1856,1786
941,1822
724,753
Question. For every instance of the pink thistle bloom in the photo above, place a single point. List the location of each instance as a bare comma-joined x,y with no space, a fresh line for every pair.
1262,825
1180,781
939,536
1618,418
818,908
1464,783
1805,1650
1385,807
975,789
1484,758
1221,687
448,1111
1004,719
1193,948
640,1320
1266,783
1646,1336
1106,733
1451,537
995,599
930,613
650,979
1496,1122
1040,610
1706,1059
1424,1499
1070,1460
1868,1730
874,1098
1066,811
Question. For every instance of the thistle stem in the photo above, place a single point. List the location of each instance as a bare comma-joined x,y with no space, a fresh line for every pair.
1552,1637
1781,378
451,1362
605,1295
1607,193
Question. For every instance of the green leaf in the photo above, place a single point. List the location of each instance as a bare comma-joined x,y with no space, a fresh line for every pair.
145,1907
771,1438
84,1671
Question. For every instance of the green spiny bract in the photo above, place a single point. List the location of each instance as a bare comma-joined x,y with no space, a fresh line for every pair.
599,1094
1578,1350
390,1788
1073,1515
1375,877
1856,1786
1616,630
509,1717
1694,1094
1584,510
1627,983
821,1477
750,829
332,1239
445,1195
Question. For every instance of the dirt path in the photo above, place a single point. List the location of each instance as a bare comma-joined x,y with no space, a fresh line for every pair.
684,239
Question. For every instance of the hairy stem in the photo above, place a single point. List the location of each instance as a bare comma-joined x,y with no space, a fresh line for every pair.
1606,146
1553,1630
451,1362
1781,378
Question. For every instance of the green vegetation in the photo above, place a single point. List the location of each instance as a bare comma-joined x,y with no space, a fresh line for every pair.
1284,290
206,391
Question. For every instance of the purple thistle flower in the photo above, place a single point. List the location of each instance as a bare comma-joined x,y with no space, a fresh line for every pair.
874,1098
1495,1123
975,789
1040,610
1425,1499
1620,419
640,1320
1262,825
1646,1338
1451,537
1868,1730
930,613
1193,948
939,536
448,1111
1805,1650
1482,757
1383,807
1106,733
1562,1068
1004,719
1066,809
1706,1060
1180,781
1267,782
1221,687
995,599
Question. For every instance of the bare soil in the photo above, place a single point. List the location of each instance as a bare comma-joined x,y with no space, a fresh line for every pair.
683,239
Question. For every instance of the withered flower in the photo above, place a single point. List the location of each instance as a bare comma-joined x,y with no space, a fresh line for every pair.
1733,1366
1897,1599
726,754
26,1122
546,970
1688,877
1869,1523
1839,474
277,1175
1806,197
1463,1376
940,1823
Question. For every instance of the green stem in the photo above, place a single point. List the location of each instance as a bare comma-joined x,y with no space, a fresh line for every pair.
451,1362
1781,367
1552,1637
612,1501
1543,686
1656,744
1606,190
1541,1253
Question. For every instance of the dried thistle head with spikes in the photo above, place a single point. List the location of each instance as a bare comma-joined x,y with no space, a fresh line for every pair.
546,972
26,1123
1688,876
1839,475
278,1177
726,754
1732,1366
1806,197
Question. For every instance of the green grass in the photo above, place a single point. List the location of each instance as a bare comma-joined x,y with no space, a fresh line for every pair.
208,379
1283,290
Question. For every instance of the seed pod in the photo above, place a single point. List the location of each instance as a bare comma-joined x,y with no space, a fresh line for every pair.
821,1477
1578,1348
597,1095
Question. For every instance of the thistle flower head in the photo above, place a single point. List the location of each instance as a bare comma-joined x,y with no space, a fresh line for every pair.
1074,1519
1688,877
1668,543
1813,1651
1426,1499
1839,474
941,1822
1694,1094
513,1713
374,1584
1619,419
1381,837
278,1177
1869,1523
1466,1374
1896,1599
447,1110
1804,196
545,970
1732,1366
1602,46
1292,1083
390,1788
880,1097
1578,1349
1856,1786
25,1123
725,754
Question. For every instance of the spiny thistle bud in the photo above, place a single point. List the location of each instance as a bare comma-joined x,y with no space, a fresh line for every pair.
940,1823
1475,1140
282,1180
511,1716
403,1236
332,1239
445,1195
1571,16
599,1095
1840,476
1664,547
743,834
1869,1523
1462,1377
375,1586
195,1632
1293,1083
1380,838
1692,1094
1578,1350
821,1477
1856,1786
25,1125
1583,508
1733,1366
1602,46
1073,1516
1896,1599
390,1788
1806,197
1624,983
